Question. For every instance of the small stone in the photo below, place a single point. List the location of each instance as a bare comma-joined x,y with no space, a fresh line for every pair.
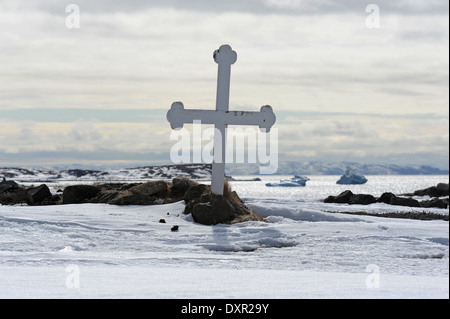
162,220
174,228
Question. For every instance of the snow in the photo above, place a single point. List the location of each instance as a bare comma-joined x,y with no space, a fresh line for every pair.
304,251
169,283
197,171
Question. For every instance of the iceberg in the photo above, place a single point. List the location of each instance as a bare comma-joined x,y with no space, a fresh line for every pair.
296,181
351,178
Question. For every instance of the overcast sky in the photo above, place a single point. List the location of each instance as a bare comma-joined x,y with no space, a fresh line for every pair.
343,89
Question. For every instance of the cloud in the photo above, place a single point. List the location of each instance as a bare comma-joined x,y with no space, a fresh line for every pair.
122,58
345,6
106,86
299,7
70,115
363,137
333,138
84,135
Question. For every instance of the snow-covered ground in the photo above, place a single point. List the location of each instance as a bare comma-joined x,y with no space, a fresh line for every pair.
196,171
104,251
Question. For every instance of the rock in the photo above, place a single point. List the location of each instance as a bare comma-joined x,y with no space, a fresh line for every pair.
403,201
188,181
162,220
443,189
430,191
344,197
203,213
435,202
51,200
194,192
133,199
195,195
174,228
329,199
20,196
12,197
434,191
180,185
151,188
347,197
105,197
8,185
76,194
362,199
219,210
36,195
224,208
188,208
391,199
385,198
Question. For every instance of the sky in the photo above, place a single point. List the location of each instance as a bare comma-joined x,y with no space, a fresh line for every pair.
348,80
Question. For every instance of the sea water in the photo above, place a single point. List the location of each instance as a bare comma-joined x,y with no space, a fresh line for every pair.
310,197
320,187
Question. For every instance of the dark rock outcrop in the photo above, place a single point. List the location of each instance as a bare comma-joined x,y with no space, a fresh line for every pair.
385,198
443,189
342,198
195,192
158,188
38,194
133,199
180,185
362,199
210,209
77,194
404,201
440,190
12,193
8,186
435,202
347,197
219,210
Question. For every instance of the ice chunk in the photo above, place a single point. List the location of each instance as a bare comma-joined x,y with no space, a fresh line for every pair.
296,181
350,177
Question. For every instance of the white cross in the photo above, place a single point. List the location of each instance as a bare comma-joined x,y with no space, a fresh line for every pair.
221,117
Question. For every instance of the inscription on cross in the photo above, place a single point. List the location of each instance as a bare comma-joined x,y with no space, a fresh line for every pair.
221,117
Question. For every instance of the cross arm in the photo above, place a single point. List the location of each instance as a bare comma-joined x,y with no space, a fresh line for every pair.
178,116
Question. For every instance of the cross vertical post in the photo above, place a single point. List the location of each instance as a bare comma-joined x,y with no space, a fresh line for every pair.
224,57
